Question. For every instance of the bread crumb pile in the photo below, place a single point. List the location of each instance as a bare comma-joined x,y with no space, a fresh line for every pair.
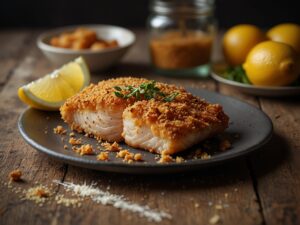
74,141
102,156
86,149
62,200
114,147
165,159
118,201
15,175
59,130
38,194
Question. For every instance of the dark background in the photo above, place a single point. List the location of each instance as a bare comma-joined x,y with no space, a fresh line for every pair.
133,13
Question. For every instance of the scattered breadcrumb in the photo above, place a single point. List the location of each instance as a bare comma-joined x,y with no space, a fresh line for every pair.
72,134
129,161
118,201
65,146
59,130
224,145
138,157
205,155
102,156
15,175
41,195
122,153
129,156
74,141
62,200
215,219
165,159
114,147
38,194
85,150
179,159
196,205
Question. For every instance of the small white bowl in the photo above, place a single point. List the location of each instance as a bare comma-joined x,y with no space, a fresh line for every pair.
96,60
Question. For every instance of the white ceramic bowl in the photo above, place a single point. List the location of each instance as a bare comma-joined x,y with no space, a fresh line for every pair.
96,60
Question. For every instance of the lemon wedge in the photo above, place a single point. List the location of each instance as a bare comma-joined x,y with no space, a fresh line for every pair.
51,91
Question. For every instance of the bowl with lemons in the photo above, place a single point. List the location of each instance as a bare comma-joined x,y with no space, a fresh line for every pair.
261,63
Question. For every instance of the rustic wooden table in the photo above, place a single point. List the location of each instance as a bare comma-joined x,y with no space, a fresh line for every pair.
261,189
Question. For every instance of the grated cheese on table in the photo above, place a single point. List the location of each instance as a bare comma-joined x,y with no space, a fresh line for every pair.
118,201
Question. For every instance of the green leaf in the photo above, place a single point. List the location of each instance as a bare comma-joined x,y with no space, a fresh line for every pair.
119,94
117,88
237,74
171,97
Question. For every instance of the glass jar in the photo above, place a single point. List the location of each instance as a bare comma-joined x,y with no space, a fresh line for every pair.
181,36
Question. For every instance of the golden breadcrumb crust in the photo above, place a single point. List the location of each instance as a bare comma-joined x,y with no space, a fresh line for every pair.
102,96
175,119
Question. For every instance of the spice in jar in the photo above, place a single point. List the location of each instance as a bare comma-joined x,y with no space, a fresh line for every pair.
178,50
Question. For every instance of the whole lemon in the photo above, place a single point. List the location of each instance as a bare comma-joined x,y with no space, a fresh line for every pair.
287,33
272,63
239,40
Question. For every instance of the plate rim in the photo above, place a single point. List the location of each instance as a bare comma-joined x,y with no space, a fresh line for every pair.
221,79
187,165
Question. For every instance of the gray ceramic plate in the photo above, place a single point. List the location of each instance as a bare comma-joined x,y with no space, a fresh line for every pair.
251,124
254,90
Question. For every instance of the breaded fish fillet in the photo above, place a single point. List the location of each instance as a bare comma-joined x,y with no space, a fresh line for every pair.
155,125
98,111
170,127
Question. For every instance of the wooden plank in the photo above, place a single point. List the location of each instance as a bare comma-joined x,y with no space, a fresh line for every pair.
190,198
15,154
277,166
13,45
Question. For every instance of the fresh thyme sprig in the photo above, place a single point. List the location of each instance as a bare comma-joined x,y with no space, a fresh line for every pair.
171,97
145,90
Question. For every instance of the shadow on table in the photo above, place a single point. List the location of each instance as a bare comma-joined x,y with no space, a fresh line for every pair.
270,157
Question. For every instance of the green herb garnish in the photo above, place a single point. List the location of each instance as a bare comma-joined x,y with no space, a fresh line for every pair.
236,74
171,97
145,90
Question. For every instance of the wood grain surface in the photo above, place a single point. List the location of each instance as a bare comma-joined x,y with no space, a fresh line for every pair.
260,189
